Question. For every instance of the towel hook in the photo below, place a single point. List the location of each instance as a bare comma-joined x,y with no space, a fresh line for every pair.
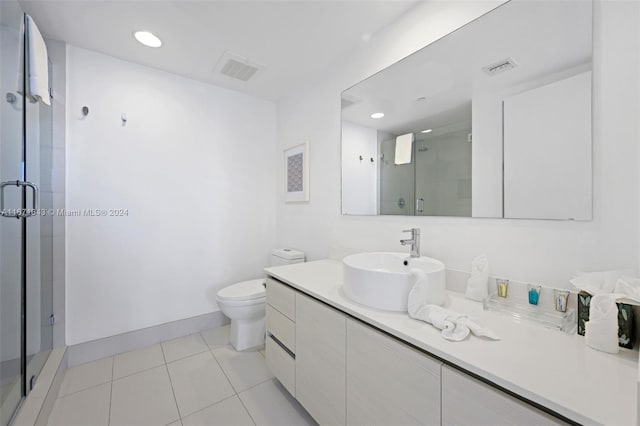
85,110
123,117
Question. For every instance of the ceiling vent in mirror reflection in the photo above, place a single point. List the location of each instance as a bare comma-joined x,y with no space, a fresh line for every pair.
500,66
237,67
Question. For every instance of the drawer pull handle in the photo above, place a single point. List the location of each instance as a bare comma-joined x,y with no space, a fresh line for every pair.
284,348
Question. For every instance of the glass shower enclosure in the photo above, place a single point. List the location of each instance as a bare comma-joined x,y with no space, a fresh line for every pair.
26,243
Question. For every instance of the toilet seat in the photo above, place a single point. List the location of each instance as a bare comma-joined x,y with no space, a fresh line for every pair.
237,303
246,292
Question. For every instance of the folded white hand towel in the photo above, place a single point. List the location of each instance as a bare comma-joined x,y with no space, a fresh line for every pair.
601,331
478,283
37,71
629,286
602,282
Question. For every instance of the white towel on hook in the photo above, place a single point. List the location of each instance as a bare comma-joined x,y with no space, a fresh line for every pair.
37,70
404,146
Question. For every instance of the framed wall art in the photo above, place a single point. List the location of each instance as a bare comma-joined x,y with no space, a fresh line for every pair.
296,173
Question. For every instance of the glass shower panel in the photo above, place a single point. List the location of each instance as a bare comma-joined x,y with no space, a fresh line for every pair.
396,182
443,172
26,243
11,144
39,238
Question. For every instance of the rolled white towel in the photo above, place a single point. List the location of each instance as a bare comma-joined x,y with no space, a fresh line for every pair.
454,326
477,329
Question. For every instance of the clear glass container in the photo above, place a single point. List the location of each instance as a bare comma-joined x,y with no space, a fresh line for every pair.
520,309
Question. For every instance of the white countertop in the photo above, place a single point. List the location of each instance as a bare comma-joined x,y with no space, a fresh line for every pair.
553,369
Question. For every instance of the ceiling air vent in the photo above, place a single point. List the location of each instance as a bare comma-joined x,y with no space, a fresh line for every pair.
500,67
237,67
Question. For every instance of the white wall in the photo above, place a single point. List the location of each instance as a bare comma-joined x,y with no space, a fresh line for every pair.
194,167
545,251
359,176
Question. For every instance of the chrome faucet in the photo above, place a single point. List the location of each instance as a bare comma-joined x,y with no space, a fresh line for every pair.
414,241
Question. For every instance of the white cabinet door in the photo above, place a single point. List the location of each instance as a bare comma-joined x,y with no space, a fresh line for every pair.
467,401
320,360
389,383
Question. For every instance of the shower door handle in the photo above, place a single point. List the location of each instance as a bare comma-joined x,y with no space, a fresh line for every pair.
19,213
420,205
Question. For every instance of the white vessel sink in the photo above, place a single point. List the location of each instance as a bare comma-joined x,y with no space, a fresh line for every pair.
383,280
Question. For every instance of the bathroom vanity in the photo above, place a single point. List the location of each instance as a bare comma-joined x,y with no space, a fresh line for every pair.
350,364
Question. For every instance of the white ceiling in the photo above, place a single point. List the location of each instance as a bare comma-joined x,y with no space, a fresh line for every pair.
544,38
294,39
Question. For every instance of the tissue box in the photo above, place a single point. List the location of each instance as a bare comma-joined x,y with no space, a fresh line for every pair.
626,323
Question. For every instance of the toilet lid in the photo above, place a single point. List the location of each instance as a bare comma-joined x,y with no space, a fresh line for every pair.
245,290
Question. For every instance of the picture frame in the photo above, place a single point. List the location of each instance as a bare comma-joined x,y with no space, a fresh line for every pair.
296,173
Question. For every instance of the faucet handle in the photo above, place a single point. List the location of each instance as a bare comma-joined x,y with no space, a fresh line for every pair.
415,231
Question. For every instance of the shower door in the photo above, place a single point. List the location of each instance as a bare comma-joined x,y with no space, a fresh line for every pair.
25,293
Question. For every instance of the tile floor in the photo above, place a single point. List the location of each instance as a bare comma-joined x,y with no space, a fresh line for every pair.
195,380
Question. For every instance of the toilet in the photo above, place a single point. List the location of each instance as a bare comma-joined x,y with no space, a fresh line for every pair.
245,303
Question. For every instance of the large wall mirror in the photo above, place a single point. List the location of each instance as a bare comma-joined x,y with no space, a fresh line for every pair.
492,120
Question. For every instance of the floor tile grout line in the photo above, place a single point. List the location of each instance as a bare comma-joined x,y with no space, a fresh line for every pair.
173,392
246,409
82,390
188,356
257,384
223,372
114,378
209,406
234,389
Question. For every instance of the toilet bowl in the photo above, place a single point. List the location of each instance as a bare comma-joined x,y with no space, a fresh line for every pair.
245,303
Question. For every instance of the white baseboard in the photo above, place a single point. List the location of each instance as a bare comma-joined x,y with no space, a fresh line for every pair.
96,349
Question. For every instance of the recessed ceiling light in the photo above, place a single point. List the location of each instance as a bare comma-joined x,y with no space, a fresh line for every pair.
421,99
377,115
147,38
426,131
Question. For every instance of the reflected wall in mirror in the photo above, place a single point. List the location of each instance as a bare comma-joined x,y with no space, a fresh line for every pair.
492,120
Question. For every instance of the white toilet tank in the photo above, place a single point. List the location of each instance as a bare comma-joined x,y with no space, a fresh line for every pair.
286,256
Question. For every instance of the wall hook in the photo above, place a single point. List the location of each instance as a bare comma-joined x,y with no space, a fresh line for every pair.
85,110
123,117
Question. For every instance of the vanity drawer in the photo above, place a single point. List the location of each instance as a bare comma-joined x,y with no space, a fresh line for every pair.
282,327
281,364
281,297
